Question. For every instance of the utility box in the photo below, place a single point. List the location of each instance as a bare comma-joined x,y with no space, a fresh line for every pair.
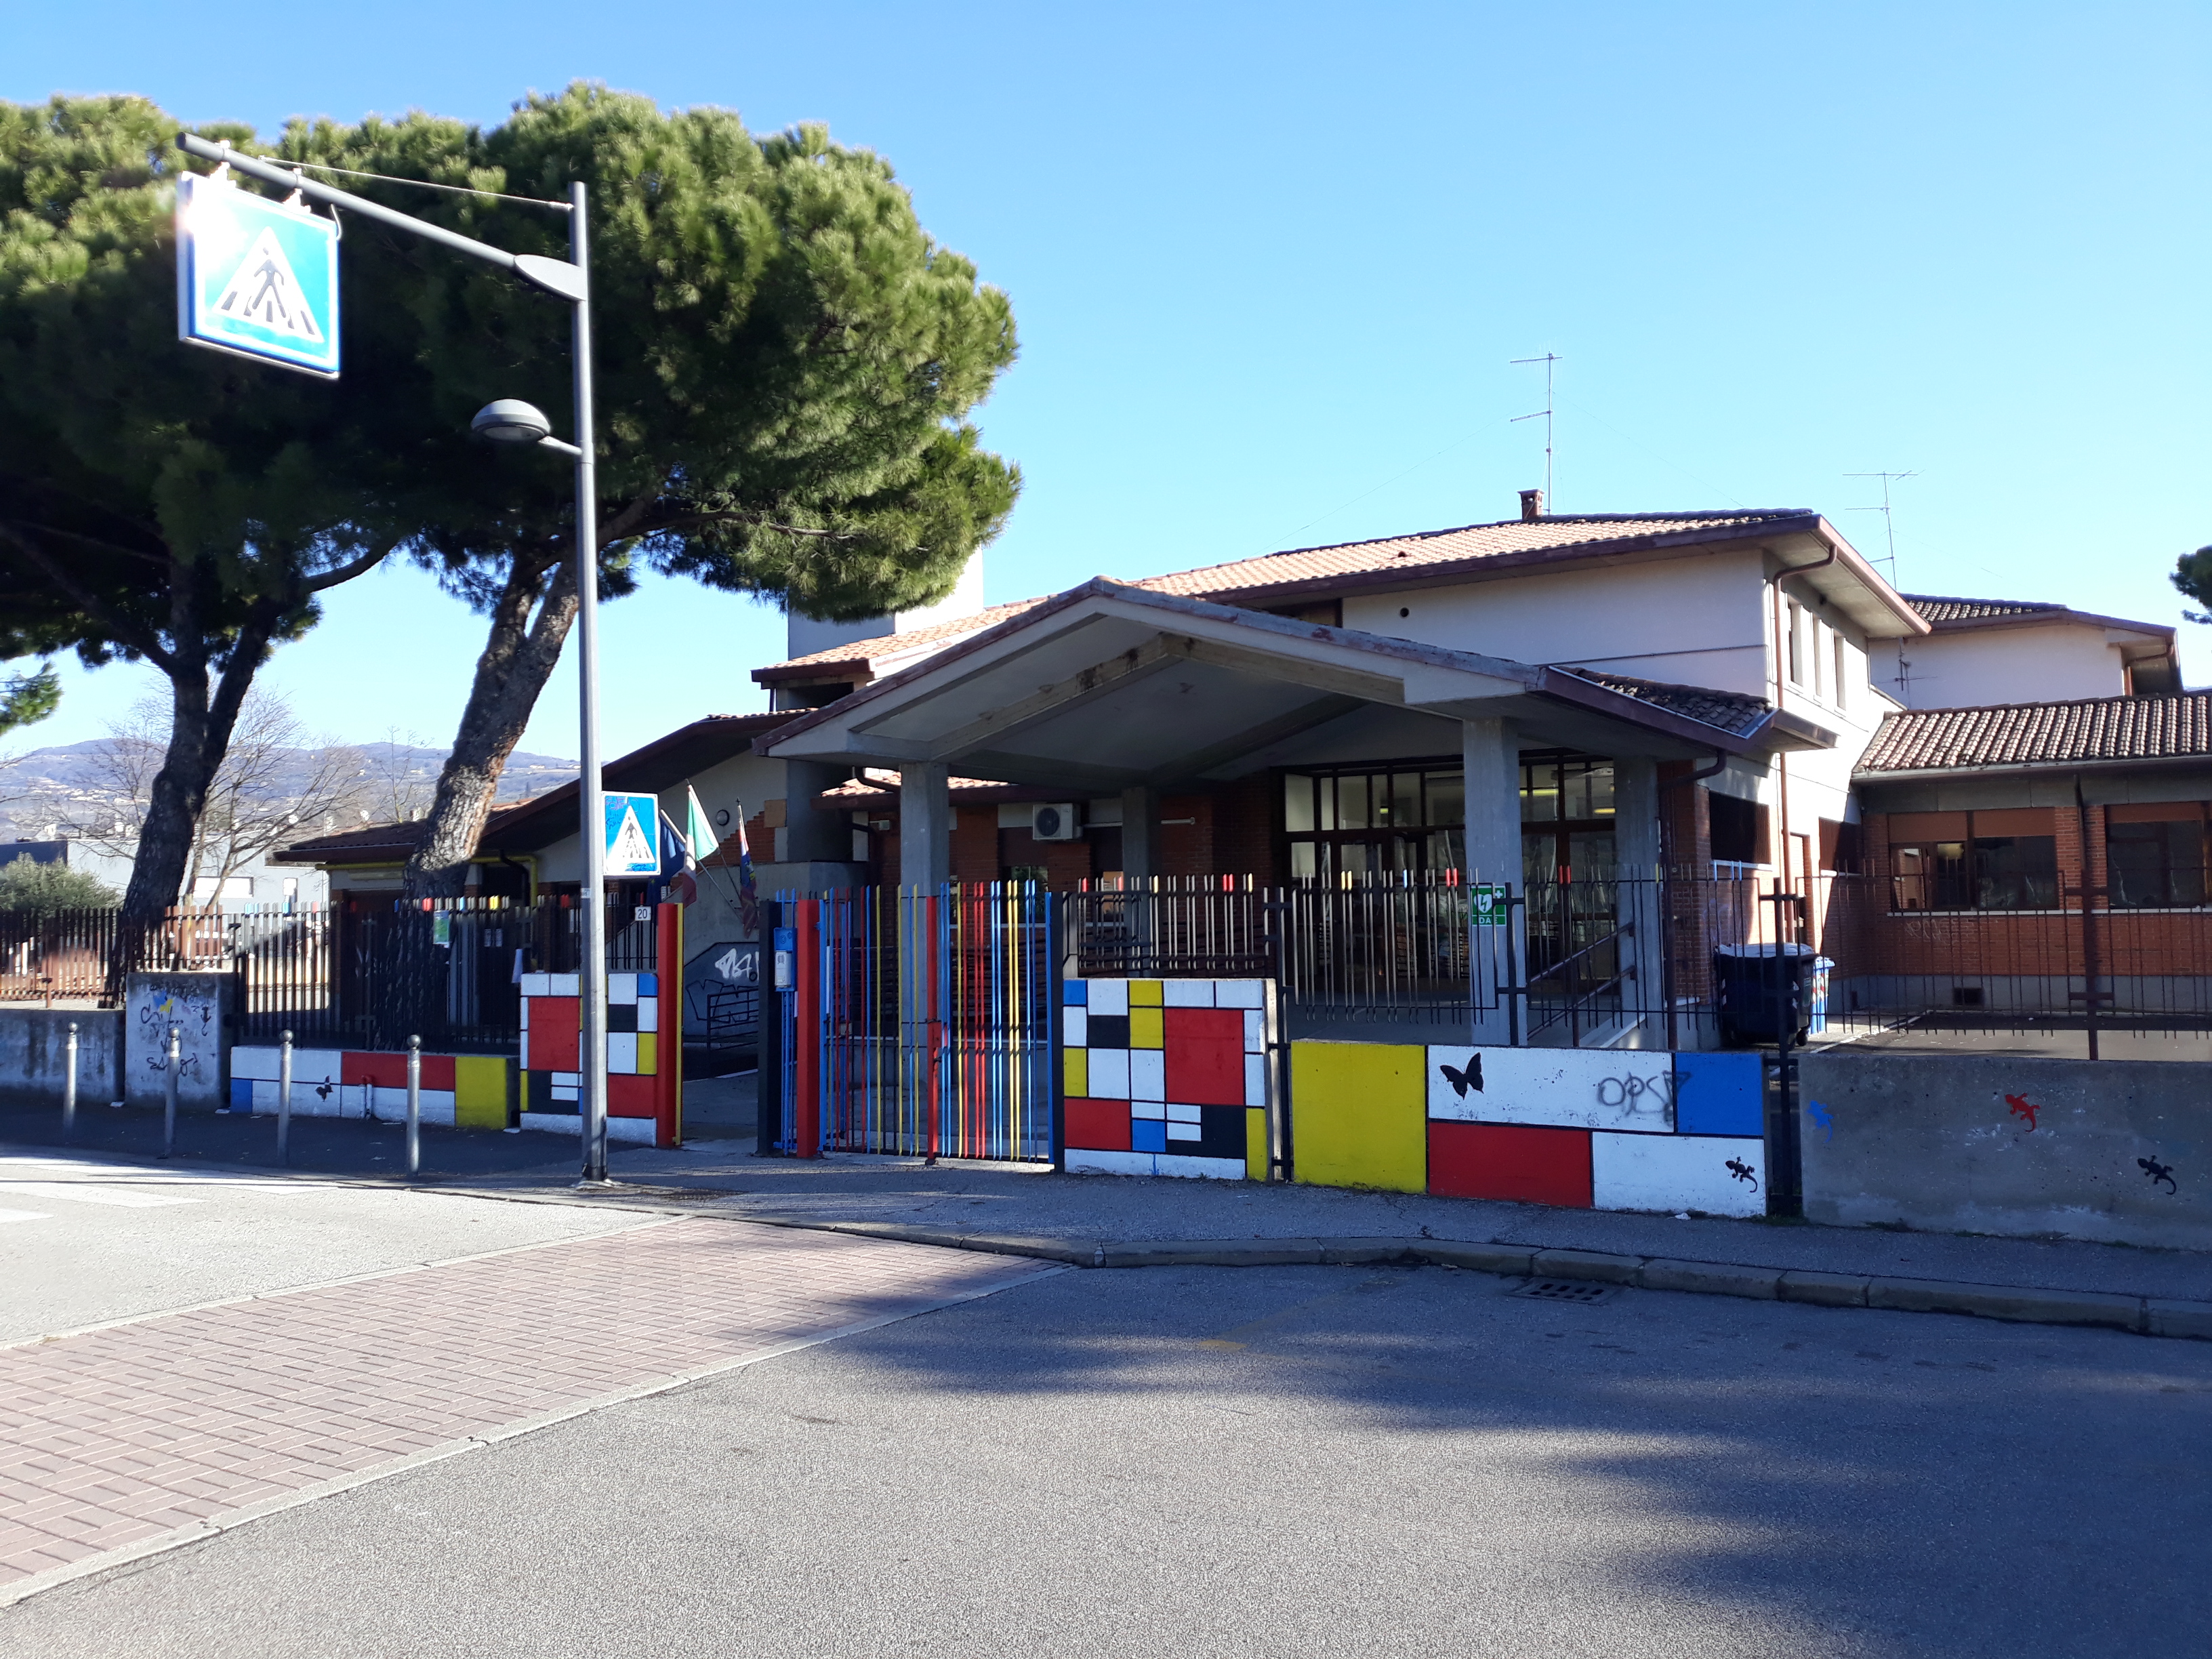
203,1007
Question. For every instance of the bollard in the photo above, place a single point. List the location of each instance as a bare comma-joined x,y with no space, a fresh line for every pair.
69,1085
169,1098
284,1098
413,1104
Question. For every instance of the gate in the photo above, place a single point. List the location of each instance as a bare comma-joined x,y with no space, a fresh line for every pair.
918,1023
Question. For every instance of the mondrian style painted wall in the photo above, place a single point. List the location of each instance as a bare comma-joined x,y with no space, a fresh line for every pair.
642,1085
465,1091
1607,1129
1167,1077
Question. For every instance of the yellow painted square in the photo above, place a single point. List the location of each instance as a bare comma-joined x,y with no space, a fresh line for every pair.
1147,1028
647,1052
1144,993
1360,1115
480,1091
1255,1143
1075,1072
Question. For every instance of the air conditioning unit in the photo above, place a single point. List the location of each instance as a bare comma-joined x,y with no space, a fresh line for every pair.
1056,822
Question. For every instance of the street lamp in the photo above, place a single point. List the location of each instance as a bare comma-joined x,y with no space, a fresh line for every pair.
511,421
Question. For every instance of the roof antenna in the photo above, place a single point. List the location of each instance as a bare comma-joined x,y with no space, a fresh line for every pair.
1550,360
1888,523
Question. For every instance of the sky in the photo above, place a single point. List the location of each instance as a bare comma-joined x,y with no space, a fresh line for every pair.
1270,264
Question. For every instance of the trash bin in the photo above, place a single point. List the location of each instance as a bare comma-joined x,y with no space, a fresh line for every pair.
1750,1010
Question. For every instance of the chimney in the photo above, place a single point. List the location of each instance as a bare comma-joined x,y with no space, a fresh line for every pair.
1532,506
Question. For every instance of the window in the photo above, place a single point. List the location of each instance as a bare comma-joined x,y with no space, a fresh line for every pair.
2005,859
1566,816
1795,646
1815,632
1738,830
2155,856
1367,822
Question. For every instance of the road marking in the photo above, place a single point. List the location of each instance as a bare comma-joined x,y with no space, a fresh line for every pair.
87,1192
24,1215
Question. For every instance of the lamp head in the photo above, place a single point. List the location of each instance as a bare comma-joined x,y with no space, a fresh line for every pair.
511,421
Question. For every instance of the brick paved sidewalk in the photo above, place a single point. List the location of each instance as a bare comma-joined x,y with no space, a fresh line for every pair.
118,1438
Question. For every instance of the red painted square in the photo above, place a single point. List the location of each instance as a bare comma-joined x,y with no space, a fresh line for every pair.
553,1045
1507,1160
383,1070
629,1095
1098,1126
437,1071
1205,1055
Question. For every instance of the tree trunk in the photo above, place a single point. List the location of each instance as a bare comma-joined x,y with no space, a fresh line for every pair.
518,659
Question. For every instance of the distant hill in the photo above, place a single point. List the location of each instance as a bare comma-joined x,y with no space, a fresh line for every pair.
72,772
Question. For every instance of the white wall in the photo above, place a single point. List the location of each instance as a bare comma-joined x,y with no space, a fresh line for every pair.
2051,663
1692,620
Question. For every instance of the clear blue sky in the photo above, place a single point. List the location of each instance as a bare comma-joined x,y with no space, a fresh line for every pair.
1269,263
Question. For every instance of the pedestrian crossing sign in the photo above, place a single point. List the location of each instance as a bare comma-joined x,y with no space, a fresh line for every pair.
256,277
632,847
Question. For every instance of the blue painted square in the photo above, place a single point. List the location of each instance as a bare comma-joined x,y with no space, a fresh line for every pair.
1148,1134
649,985
1719,1095
242,1094
1074,993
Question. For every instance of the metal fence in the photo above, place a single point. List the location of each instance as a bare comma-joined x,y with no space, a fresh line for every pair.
61,955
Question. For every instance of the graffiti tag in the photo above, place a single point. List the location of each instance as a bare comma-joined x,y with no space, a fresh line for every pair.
2159,1173
1742,1171
1822,1117
1461,1081
2027,1108
1615,1092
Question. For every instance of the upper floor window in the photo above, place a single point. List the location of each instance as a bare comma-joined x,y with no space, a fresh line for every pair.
1795,644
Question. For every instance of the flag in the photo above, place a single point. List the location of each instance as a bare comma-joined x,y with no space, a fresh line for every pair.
676,863
748,895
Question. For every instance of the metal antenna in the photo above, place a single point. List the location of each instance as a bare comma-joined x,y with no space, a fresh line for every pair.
1888,524
1549,360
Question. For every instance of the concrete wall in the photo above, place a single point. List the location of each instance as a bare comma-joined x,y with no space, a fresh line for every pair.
2119,1150
33,1043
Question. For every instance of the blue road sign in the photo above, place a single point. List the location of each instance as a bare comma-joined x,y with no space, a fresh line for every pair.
633,848
255,277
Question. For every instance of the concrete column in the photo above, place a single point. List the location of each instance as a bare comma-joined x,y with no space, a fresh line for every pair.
1635,855
1140,832
811,835
924,824
1490,754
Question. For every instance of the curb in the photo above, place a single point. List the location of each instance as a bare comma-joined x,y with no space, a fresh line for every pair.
2018,1303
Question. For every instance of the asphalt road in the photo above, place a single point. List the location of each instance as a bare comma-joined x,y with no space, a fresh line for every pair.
1272,1461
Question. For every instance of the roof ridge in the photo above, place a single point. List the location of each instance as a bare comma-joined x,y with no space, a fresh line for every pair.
2061,703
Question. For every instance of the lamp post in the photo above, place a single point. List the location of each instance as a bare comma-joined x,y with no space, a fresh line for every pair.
570,280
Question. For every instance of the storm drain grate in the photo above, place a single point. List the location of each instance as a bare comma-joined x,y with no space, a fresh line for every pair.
1566,1290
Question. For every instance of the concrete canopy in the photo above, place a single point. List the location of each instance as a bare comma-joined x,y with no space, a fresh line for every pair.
1108,687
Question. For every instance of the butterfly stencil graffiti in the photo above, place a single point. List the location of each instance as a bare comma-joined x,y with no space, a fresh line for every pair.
1461,1081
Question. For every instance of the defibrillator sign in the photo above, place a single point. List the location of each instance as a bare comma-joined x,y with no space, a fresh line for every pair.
256,277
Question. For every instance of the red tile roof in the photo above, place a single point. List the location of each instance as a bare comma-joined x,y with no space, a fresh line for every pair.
1431,553
2033,734
1940,610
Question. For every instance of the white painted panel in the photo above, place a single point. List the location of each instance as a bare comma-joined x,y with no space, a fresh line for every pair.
1240,993
1075,1023
1180,1131
1187,993
254,1063
1148,1075
537,984
1256,1079
1109,1073
1677,1172
390,1105
648,1014
632,1128
566,1123
1178,1113
563,985
622,1052
622,988
1151,1109
1199,1168
1627,1088
1109,996
1121,1163
1255,1031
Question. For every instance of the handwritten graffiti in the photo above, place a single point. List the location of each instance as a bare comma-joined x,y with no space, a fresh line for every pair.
2160,1174
1616,1092
2027,1108
1743,1171
1822,1118
1461,1081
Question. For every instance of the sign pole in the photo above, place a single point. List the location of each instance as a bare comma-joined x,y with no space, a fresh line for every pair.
591,795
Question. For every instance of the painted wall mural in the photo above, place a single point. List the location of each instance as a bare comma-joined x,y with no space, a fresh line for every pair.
1167,1077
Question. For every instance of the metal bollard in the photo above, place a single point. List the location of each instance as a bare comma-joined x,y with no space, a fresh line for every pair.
413,1104
69,1085
169,1097
284,1098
